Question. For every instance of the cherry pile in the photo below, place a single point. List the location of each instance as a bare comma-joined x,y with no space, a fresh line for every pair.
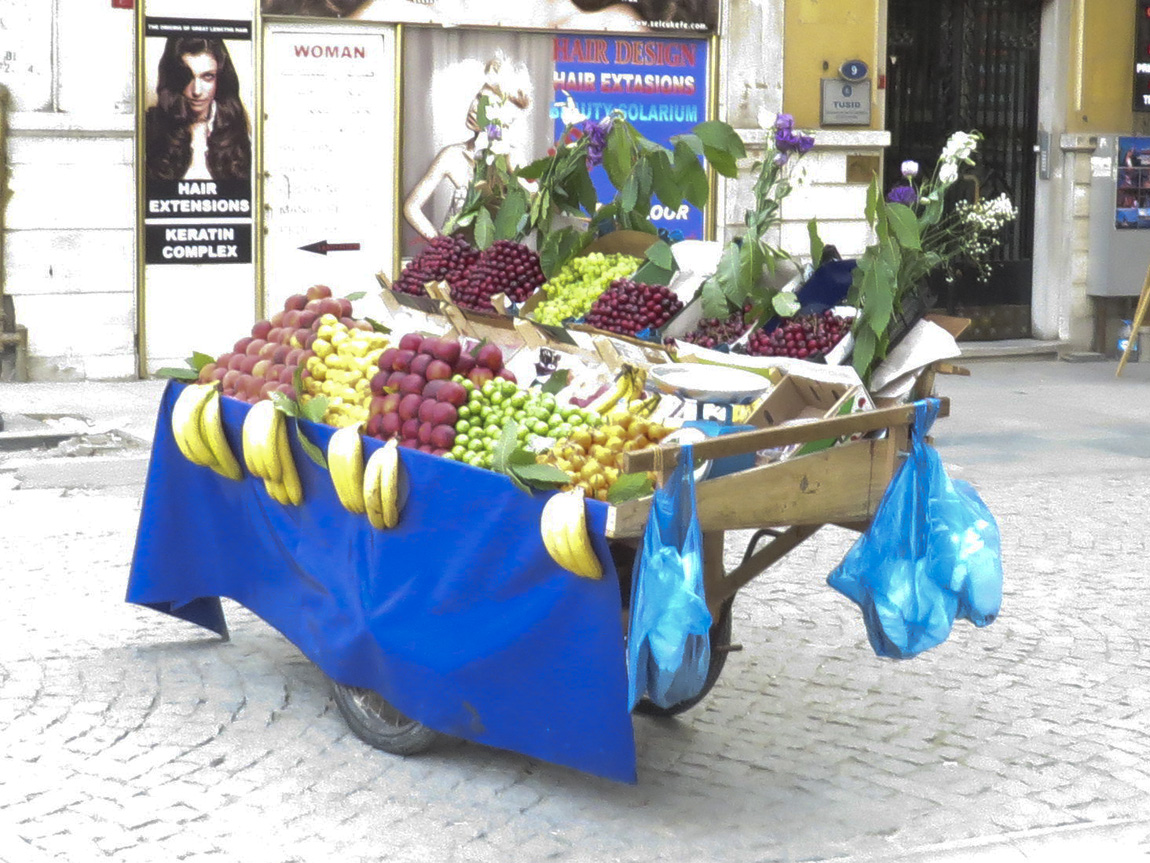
805,337
712,332
445,259
628,307
505,267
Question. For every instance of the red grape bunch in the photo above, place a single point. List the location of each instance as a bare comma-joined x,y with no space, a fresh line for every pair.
806,337
628,307
507,267
445,259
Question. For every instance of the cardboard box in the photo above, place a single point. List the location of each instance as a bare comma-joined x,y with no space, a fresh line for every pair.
797,399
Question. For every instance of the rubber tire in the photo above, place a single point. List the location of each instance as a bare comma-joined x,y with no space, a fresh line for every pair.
376,722
720,636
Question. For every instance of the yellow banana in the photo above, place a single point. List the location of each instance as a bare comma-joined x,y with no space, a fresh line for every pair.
345,462
277,491
269,444
608,400
389,483
186,417
178,431
259,438
550,532
212,431
290,476
578,542
373,488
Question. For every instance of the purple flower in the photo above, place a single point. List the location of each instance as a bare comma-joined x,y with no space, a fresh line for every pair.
902,195
784,123
596,134
494,132
789,141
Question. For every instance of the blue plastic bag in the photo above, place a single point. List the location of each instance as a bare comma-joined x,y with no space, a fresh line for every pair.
932,554
668,643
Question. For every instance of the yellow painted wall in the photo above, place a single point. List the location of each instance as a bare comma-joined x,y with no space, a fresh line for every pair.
1102,66
827,32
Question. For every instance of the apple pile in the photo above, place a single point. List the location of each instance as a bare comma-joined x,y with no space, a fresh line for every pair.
414,398
266,360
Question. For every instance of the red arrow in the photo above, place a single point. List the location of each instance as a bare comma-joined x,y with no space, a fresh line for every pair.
323,247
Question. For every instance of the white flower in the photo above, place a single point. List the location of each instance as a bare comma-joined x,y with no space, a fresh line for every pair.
959,147
481,142
948,173
910,168
569,113
766,119
500,147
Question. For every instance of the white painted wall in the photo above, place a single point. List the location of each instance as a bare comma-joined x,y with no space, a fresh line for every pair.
69,227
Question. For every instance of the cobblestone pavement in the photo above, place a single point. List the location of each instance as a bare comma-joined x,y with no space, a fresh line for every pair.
129,736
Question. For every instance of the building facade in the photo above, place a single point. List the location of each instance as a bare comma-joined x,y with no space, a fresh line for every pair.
1050,83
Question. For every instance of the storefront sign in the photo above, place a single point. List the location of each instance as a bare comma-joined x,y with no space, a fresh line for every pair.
845,103
660,86
637,16
1142,57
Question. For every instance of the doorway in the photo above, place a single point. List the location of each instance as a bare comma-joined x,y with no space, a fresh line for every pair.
973,65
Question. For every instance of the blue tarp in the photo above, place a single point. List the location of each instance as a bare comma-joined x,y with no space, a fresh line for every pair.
458,616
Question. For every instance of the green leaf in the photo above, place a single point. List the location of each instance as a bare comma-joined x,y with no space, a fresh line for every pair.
558,248
377,326
663,180
484,229
583,188
650,273
660,255
785,303
558,380
690,142
817,245
475,350
617,156
356,295
714,300
629,486
721,161
177,373
284,404
629,194
508,441
198,360
905,225
535,170
511,212
542,476
863,352
314,409
720,136
310,449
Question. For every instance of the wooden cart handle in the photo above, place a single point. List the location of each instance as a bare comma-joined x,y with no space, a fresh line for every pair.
768,438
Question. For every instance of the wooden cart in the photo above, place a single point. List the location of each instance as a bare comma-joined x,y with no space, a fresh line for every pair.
785,502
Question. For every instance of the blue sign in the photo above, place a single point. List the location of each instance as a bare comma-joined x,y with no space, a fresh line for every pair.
660,85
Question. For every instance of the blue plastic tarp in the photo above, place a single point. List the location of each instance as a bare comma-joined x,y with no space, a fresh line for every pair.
458,616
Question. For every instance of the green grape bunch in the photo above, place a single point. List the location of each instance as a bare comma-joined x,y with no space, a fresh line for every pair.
573,290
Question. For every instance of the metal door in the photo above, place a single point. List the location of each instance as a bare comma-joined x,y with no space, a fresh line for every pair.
962,65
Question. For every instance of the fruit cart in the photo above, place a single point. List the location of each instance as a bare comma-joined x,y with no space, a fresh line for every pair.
458,621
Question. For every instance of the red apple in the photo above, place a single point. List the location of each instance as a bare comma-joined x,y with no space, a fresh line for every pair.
464,364
490,356
438,370
291,319
230,379
373,425
448,350
387,358
295,302
508,375
390,424
318,292
288,390
379,382
277,320
254,347
419,364
409,429
429,345
402,361
260,329
391,403
442,436
452,393
411,342
408,406
411,384
431,390
444,414
424,433
480,375
307,318
425,411
344,307
241,347
248,364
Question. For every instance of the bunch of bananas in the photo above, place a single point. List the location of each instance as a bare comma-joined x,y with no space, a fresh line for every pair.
267,453
629,384
381,486
199,432
373,489
563,526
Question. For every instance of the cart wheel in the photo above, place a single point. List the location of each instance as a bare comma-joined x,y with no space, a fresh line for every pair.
376,722
720,636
